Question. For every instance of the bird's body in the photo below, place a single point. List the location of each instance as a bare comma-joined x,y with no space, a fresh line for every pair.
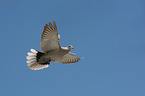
52,51
54,54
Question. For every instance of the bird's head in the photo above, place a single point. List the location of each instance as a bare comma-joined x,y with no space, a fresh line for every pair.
70,47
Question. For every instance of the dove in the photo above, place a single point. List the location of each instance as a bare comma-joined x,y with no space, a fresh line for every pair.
51,50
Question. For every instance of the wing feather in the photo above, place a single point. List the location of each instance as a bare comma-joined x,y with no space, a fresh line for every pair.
68,58
54,24
51,26
49,38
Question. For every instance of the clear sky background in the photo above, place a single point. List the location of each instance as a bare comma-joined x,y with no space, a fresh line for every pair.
110,34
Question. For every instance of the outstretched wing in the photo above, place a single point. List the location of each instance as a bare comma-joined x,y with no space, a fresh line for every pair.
49,38
68,58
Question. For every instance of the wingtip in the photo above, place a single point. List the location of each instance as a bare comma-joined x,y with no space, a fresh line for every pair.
82,57
50,23
45,25
54,24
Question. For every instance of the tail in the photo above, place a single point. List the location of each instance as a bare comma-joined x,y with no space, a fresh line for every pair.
33,63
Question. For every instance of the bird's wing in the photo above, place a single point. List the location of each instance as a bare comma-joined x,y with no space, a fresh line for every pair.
68,58
49,38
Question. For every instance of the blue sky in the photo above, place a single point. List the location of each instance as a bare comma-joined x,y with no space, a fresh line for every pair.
110,34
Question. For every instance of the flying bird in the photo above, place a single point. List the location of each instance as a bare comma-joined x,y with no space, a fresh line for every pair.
51,50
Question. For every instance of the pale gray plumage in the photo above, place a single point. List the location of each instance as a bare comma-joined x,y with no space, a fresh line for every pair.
49,38
52,51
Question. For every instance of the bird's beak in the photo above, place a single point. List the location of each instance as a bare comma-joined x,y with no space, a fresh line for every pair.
72,48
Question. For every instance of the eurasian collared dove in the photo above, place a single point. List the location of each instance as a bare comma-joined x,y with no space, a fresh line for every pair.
52,51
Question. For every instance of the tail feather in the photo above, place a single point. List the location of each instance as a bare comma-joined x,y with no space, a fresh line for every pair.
32,61
31,54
